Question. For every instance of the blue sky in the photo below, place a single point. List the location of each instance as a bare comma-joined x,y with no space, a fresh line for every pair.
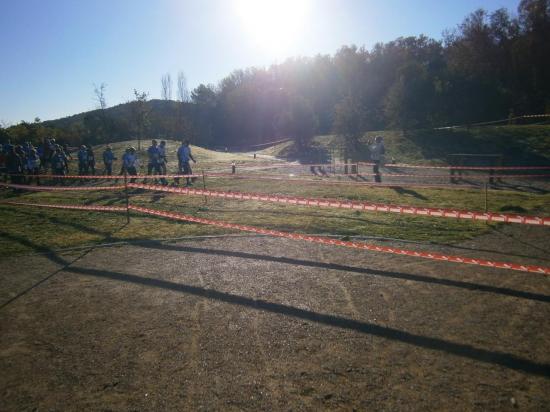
54,51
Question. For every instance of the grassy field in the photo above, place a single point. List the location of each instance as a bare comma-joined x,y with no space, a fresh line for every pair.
518,145
52,229
206,159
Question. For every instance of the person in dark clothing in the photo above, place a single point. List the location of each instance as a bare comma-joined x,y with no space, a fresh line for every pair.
83,161
65,156
91,160
58,161
3,169
108,158
154,159
14,166
46,152
33,166
163,161
377,151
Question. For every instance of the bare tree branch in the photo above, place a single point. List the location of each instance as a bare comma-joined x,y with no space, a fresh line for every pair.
99,92
183,92
166,87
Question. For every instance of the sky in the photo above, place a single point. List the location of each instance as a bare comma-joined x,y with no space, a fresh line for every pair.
54,51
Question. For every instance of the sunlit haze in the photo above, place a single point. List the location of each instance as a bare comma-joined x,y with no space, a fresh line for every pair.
54,51
274,24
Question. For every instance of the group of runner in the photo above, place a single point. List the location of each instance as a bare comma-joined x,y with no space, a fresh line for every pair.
157,161
22,163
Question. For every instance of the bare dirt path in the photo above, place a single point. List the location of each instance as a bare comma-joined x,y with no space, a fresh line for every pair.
270,324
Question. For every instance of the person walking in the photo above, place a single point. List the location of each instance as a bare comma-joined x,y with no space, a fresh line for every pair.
65,156
91,160
3,169
14,166
23,156
33,166
153,164
377,151
83,160
129,163
58,161
184,155
163,161
108,159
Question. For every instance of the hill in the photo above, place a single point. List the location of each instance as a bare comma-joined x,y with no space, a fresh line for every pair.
206,159
159,118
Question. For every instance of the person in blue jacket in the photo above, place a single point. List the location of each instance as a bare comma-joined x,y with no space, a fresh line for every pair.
130,163
184,156
154,157
108,159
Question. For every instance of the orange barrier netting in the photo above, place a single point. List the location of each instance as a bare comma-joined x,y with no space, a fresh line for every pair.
355,245
315,239
60,188
286,178
313,202
71,207
347,204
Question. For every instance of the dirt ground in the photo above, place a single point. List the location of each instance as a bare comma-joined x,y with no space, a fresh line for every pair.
255,323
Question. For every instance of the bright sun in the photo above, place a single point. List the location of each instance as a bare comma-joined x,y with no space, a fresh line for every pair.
273,24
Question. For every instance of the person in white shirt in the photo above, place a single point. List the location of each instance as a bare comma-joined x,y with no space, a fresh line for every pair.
184,155
377,151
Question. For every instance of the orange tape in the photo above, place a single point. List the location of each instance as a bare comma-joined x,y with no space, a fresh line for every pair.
73,207
355,245
315,239
61,188
346,204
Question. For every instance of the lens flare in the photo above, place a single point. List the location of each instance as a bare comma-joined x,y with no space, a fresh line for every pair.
273,25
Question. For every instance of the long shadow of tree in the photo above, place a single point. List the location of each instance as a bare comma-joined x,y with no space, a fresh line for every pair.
458,349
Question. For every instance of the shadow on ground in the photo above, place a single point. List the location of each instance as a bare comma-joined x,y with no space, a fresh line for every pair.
463,350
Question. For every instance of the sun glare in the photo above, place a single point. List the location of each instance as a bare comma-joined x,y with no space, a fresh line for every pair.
273,24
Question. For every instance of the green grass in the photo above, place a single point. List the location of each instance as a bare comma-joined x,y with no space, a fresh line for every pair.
206,159
518,145
27,229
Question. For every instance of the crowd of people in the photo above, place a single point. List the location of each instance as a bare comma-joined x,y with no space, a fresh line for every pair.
23,163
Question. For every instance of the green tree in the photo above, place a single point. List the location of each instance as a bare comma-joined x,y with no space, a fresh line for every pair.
299,122
350,120
410,101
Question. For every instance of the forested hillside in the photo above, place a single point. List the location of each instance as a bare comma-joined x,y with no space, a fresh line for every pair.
491,66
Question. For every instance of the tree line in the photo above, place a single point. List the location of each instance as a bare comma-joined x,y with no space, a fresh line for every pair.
491,66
